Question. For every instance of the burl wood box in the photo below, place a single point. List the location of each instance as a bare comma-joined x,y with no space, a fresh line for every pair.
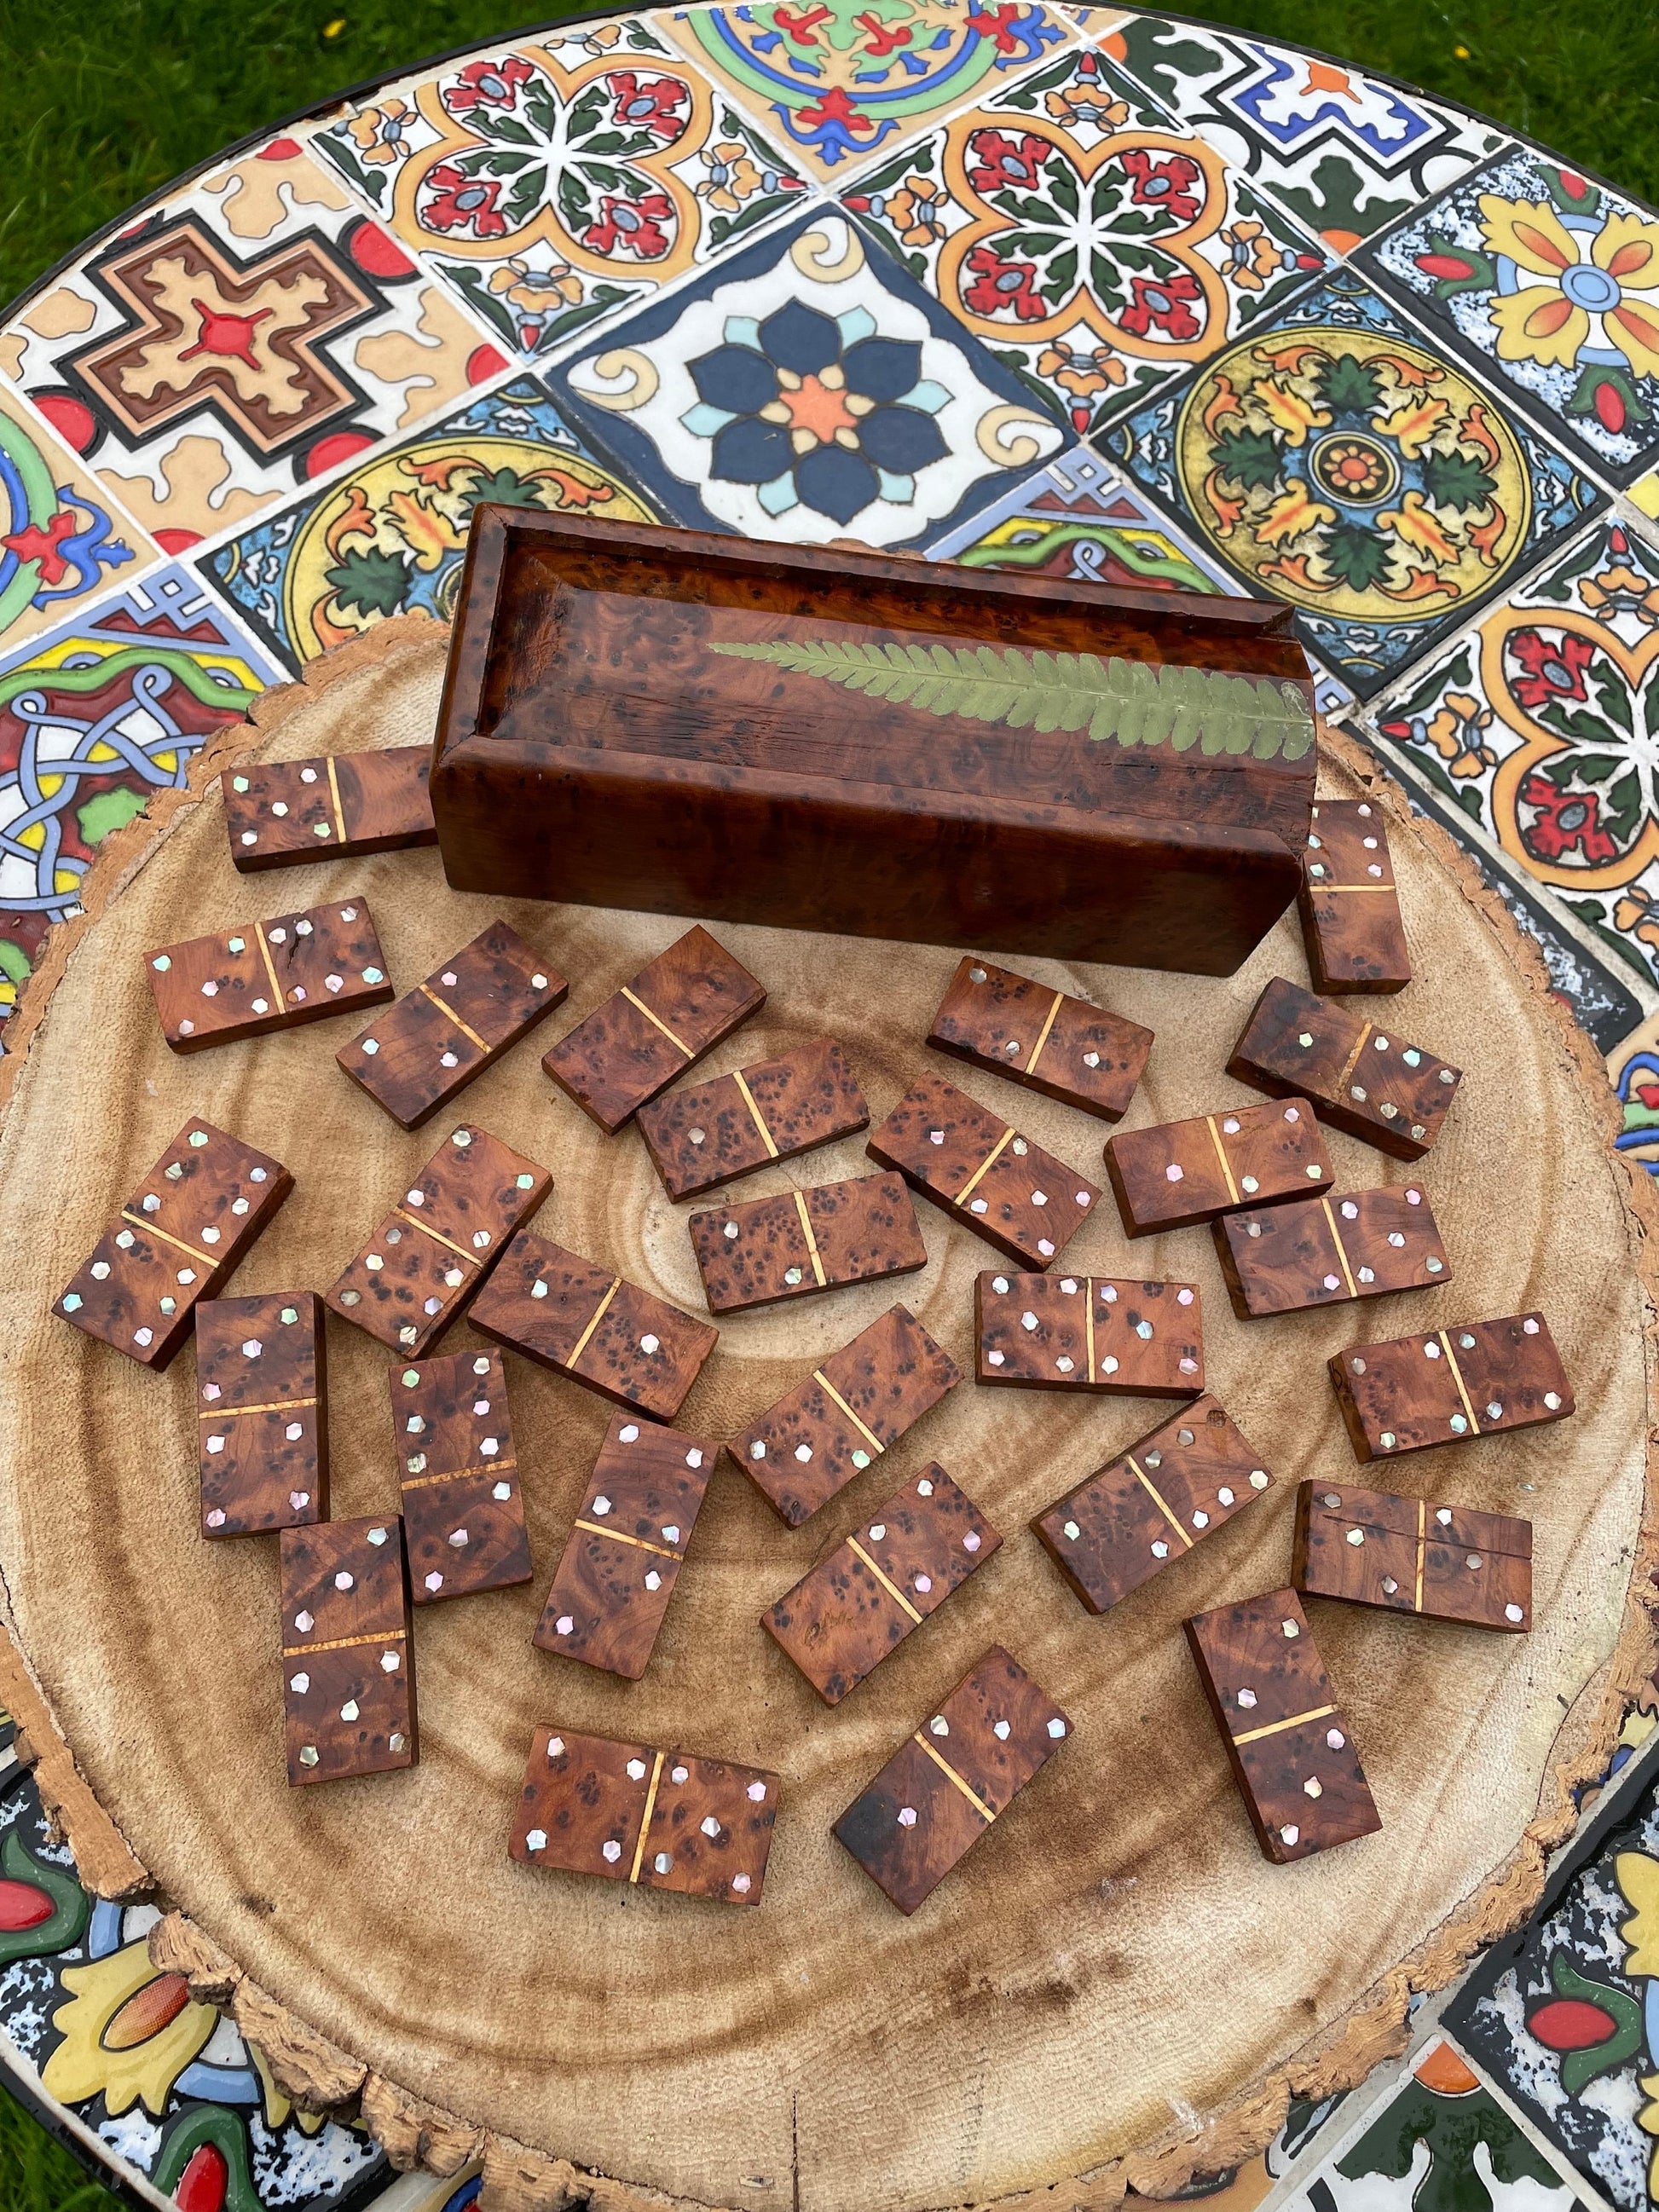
824,739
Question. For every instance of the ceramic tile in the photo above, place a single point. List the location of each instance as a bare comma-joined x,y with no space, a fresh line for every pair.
1564,2015
1440,2141
806,389
1633,1070
1541,722
1078,519
250,333
1089,241
387,537
1601,991
95,717
1338,458
841,80
1345,153
556,183
168,2087
62,539
1550,284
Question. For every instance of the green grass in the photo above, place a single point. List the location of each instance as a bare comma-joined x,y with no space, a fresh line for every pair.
37,2174
106,100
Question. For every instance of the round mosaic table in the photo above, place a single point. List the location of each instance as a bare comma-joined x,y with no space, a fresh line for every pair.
1160,305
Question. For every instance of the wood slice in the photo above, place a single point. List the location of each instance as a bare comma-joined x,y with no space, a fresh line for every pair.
1115,1984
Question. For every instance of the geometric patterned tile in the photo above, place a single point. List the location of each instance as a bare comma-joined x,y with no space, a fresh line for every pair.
805,388
1633,1070
1541,722
1441,2143
842,80
557,184
1078,519
387,538
1551,282
1338,459
164,2083
95,717
60,537
251,334
1564,2015
1092,244
1347,154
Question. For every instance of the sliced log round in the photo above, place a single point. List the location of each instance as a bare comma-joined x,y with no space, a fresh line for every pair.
1114,1983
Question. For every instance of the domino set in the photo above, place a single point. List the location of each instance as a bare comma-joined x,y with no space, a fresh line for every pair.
458,1239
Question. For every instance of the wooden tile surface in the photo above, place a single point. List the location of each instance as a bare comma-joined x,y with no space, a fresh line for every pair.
653,1029
1290,1746
762,1250
1047,1040
1474,1379
462,1497
1048,1332
1152,1504
178,1240
417,1055
896,1570
1321,1251
664,1820
944,1785
265,975
1177,1173
1360,1075
619,1567
262,1413
776,1109
1410,1555
328,808
583,1321
982,1171
348,1657
441,1240
1350,918
844,1415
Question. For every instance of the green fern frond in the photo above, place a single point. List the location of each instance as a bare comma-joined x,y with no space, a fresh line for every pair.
1130,702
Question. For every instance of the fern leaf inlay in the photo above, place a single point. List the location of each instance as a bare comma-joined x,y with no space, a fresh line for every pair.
1127,703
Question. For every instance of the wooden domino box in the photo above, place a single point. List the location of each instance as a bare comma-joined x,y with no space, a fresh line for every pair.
178,1240
262,1413
1290,1745
897,1568
347,1658
663,1820
1048,1040
853,1405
